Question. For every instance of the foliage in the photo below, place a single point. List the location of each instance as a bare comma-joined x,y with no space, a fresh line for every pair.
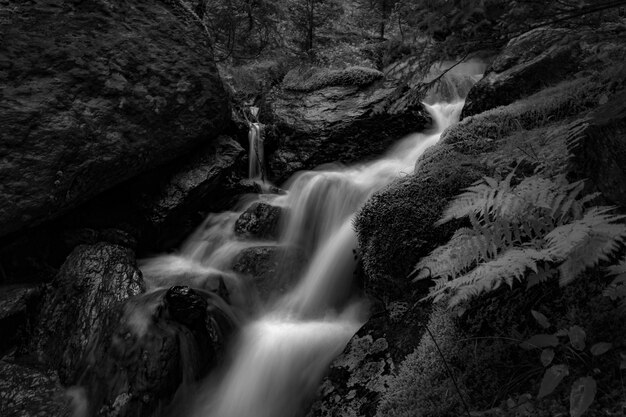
569,345
617,290
540,225
313,79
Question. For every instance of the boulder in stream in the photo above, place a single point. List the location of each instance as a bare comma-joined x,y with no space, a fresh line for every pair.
326,116
260,220
273,268
91,283
152,348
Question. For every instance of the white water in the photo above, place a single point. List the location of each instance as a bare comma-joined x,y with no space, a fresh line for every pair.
280,356
255,156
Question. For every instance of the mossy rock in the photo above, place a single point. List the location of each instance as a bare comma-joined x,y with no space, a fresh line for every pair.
395,227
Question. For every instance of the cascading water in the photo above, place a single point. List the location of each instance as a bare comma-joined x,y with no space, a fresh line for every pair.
255,141
280,356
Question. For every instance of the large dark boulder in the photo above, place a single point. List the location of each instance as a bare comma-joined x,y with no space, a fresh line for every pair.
341,119
94,93
150,347
91,283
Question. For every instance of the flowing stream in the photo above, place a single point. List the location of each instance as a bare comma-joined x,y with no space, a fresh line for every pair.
284,349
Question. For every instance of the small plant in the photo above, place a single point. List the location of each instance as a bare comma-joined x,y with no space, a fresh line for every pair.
536,230
616,291
570,346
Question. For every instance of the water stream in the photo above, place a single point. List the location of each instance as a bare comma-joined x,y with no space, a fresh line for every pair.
286,346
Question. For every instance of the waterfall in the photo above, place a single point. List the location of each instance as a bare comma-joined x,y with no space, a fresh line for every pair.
281,355
255,154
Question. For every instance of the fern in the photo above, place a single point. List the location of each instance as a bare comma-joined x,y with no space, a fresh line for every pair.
535,230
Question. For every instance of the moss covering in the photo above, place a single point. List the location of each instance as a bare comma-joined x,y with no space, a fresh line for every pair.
395,226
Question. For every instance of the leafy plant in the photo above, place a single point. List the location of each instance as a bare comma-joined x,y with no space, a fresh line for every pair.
566,344
536,230
616,291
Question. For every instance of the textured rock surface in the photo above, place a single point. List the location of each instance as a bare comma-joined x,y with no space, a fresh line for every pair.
91,283
359,378
152,345
94,93
29,392
260,220
337,123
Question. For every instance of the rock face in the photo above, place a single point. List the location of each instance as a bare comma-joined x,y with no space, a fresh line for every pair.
91,283
152,345
260,220
94,93
344,123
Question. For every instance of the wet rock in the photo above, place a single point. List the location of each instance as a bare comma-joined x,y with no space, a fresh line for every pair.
18,304
28,392
91,283
272,268
260,220
94,95
359,377
343,122
150,347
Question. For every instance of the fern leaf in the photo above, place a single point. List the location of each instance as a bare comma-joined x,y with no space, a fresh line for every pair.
619,268
585,242
510,266
447,261
472,201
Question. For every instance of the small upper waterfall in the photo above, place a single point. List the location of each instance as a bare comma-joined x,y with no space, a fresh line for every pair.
283,351
255,155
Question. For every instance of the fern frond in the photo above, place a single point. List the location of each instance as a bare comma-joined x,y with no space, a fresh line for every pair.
619,268
460,253
510,266
585,242
472,201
